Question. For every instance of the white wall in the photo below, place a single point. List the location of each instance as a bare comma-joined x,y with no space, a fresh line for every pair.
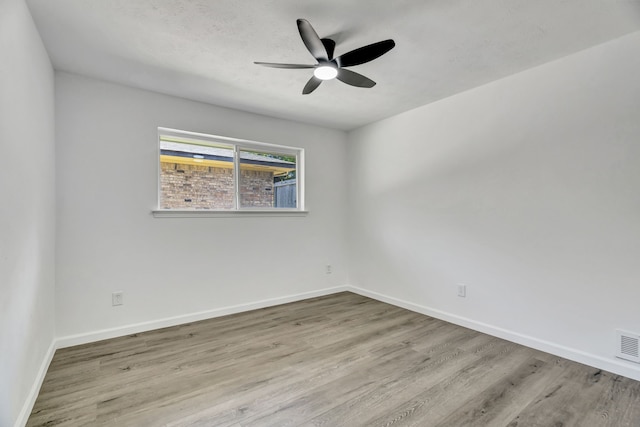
527,190
109,241
27,221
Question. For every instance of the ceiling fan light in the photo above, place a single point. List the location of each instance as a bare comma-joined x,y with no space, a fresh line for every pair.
325,72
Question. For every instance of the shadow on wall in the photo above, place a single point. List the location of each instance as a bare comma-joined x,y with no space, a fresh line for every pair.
525,225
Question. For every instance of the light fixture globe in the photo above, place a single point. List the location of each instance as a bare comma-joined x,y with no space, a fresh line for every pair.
325,72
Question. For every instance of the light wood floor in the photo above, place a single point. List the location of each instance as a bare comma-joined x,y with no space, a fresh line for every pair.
340,360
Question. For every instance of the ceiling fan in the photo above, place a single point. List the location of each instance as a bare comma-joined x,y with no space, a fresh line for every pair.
329,67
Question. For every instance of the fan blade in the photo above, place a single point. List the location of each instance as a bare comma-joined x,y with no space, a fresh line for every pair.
330,46
311,85
354,79
312,41
365,53
272,65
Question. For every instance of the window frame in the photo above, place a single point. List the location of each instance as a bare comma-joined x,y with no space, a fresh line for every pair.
237,145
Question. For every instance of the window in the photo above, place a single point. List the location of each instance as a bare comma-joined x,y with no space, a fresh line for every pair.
201,172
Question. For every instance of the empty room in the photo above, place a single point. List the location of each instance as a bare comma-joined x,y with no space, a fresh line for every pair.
338,213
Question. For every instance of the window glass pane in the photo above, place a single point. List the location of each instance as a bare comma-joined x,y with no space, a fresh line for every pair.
194,175
267,180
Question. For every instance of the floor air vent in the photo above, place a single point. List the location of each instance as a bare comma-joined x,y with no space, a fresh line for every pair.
628,346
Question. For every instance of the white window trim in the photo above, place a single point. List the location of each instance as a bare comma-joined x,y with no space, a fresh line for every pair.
205,213
238,144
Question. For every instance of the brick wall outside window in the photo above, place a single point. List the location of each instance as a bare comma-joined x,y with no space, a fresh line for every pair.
203,187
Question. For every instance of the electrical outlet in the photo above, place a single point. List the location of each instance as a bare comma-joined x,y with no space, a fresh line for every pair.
462,290
328,269
117,298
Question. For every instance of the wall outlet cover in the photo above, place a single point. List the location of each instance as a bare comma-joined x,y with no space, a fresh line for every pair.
462,290
117,298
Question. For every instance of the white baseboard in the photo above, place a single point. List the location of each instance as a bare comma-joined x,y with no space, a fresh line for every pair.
613,365
27,407
120,331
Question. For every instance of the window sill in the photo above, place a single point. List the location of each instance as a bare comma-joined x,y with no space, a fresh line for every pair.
176,213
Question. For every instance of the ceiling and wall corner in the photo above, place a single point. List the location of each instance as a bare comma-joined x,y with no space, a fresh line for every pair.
526,191
109,54
204,50
27,210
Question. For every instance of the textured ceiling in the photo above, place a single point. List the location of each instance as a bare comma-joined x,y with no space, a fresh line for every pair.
204,49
